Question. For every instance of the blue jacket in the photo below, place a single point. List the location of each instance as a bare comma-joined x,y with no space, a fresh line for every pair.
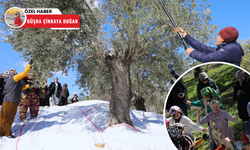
226,52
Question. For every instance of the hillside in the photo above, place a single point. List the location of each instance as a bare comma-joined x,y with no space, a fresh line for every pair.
224,77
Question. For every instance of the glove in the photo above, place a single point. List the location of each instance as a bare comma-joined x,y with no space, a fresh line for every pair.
205,136
31,62
172,81
30,82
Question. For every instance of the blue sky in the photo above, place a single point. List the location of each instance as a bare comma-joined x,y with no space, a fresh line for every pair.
226,13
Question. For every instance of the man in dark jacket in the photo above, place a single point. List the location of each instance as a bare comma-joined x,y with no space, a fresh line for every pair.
242,94
178,95
205,81
64,95
227,50
54,91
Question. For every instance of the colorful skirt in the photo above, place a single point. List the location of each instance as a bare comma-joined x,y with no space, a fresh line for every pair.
30,100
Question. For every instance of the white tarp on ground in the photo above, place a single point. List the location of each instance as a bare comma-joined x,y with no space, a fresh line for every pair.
81,125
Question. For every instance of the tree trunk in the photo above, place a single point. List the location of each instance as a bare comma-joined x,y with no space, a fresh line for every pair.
139,103
121,91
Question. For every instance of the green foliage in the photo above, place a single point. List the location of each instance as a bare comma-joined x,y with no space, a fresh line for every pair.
139,31
150,77
223,76
155,102
142,32
52,50
245,63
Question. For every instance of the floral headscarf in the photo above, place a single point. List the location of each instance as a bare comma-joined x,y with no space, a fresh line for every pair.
176,130
239,72
175,109
9,73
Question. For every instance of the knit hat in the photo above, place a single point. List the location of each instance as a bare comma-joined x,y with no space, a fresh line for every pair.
229,34
203,76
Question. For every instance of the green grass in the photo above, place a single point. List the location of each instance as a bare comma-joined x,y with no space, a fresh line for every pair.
224,77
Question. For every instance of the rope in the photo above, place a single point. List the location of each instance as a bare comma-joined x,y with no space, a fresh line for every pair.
94,125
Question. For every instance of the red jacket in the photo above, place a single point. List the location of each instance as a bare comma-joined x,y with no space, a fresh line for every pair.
18,21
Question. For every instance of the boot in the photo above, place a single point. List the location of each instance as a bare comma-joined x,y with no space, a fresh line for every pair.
12,136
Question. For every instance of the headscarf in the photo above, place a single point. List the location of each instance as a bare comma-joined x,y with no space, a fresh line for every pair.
239,72
17,12
166,121
209,91
176,130
76,95
9,73
175,109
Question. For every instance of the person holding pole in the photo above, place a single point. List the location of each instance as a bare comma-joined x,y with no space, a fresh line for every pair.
12,96
227,50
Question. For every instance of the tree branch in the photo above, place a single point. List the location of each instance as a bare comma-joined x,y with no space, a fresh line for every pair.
155,32
137,56
124,46
97,44
98,50
131,50
89,8
79,49
90,57
136,53
136,41
89,28
147,30
150,90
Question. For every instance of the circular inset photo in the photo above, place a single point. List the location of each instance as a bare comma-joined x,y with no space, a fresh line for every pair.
208,107
15,17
